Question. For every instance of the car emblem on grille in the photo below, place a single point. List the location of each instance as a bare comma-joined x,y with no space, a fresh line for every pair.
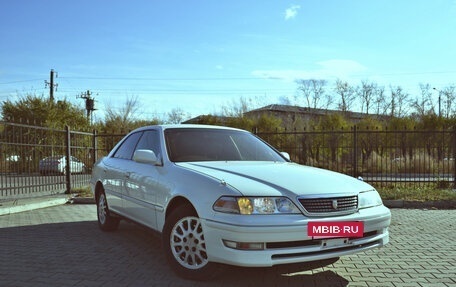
334,203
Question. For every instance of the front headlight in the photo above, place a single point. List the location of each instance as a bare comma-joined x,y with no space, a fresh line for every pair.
369,198
255,205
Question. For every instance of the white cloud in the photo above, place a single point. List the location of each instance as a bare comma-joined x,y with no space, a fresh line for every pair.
291,12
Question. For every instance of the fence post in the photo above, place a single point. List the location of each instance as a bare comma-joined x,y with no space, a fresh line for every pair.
94,147
355,152
68,162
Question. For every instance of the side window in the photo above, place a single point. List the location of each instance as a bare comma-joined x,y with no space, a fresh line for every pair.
125,151
149,140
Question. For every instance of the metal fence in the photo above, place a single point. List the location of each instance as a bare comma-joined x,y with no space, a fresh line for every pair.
37,161
384,158
381,157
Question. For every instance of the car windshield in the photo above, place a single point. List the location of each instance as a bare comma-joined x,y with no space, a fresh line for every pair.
217,145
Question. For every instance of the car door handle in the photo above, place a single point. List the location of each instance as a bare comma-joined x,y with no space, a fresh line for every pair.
127,175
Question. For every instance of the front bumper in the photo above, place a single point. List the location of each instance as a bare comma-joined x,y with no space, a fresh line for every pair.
288,242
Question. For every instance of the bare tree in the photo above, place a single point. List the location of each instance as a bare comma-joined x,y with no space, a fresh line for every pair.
237,109
424,105
123,118
177,116
304,87
398,102
367,92
314,92
347,95
381,105
448,96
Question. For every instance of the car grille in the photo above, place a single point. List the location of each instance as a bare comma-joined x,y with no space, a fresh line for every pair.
332,205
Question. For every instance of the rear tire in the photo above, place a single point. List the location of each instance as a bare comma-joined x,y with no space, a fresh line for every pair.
106,221
185,247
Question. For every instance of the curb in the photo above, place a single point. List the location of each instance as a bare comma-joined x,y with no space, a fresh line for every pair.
27,204
81,200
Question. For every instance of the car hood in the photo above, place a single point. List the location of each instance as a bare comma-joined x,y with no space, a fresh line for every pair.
278,178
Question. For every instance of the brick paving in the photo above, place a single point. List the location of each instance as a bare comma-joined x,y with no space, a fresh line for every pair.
62,246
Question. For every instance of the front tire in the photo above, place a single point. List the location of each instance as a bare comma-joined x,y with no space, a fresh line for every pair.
106,221
185,247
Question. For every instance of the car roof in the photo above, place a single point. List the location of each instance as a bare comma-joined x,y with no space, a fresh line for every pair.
55,156
185,126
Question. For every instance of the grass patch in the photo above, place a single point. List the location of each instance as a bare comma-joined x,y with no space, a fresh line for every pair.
82,191
417,194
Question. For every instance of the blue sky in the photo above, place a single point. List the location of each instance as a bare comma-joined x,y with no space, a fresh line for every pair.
200,55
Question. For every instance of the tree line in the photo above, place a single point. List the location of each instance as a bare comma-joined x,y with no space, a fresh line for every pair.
371,98
376,102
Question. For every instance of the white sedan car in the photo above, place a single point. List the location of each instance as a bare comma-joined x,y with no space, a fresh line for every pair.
223,196
57,164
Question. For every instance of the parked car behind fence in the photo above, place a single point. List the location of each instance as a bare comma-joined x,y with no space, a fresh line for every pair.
57,164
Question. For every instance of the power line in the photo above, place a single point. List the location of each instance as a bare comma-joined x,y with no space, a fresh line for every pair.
248,78
221,78
170,79
20,81
177,91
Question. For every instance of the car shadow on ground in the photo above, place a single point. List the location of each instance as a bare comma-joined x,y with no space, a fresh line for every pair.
79,254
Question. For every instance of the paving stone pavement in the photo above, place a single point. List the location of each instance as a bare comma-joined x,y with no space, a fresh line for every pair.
62,246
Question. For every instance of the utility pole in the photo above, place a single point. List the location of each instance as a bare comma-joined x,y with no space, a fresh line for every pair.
89,103
51,85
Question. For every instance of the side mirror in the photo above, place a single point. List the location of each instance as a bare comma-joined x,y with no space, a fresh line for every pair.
146,156
285,155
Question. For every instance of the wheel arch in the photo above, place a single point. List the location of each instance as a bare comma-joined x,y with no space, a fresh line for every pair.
98,189
176,203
